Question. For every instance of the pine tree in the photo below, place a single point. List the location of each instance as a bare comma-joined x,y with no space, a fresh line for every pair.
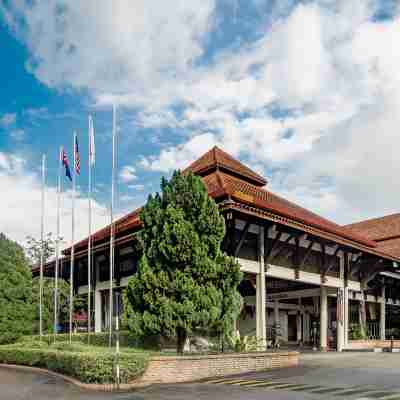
16,308
184,281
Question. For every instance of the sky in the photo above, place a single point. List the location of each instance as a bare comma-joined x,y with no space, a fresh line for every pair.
307,93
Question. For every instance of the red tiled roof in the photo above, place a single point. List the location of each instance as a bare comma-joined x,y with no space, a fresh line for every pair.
218,159
129,221
391,246
248,193
228,178
377,228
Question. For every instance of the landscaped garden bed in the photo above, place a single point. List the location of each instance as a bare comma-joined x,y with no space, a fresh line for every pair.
94,365
88,364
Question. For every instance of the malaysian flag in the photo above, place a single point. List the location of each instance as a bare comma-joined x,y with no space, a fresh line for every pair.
77,157
64,160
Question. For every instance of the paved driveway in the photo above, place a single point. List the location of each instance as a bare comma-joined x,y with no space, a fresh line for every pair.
337,376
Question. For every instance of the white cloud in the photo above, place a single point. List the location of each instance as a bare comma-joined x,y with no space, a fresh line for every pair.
138,187
17,134
37,112
127,174
8,119
179,157
106,46
22,204
314,99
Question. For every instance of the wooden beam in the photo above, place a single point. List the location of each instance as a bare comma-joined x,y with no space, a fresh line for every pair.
331,263
242,239
296,258
274,245
282,248
371,274
307,254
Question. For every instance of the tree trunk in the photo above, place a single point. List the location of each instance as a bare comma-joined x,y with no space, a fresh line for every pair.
181,340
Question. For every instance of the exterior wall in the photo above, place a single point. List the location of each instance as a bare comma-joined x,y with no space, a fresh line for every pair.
185,369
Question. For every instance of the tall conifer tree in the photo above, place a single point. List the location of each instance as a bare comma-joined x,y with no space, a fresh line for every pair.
184,281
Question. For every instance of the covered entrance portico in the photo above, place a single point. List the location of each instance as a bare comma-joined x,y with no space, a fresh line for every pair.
306,289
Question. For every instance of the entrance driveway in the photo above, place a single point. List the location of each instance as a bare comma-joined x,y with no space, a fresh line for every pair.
337,376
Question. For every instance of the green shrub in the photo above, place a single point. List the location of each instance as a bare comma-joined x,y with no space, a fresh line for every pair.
242,344
126,339
89,364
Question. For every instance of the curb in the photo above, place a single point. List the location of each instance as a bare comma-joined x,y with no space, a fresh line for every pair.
109,387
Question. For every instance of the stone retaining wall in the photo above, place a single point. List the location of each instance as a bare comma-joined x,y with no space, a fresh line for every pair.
371,344
169,369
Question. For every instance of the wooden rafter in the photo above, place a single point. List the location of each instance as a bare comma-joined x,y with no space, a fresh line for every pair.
331,262
239,245
274,245
281,249
371,273
307,254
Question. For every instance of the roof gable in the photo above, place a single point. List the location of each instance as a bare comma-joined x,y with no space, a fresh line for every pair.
217,159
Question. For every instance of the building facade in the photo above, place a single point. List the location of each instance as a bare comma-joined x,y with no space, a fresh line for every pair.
315,280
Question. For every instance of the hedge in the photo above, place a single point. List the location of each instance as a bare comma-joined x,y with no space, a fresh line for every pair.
89,365
96,339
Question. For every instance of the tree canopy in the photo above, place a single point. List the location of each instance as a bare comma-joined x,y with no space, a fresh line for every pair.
34,248
184,281
16,307
48,302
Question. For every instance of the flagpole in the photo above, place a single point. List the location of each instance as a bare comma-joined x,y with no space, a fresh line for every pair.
91,159
42,249
57,244
71,276
112,228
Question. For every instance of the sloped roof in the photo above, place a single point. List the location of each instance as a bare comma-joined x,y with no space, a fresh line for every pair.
217,159
127,222
218,182
381,228
391,246
227,178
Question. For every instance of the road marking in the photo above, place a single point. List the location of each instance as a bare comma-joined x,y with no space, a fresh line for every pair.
222,380
245,383
267,384
380,395
292,386
306,387
350,391
327,390
230,382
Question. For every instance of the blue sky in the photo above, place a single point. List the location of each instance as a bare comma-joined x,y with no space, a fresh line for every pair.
305,92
